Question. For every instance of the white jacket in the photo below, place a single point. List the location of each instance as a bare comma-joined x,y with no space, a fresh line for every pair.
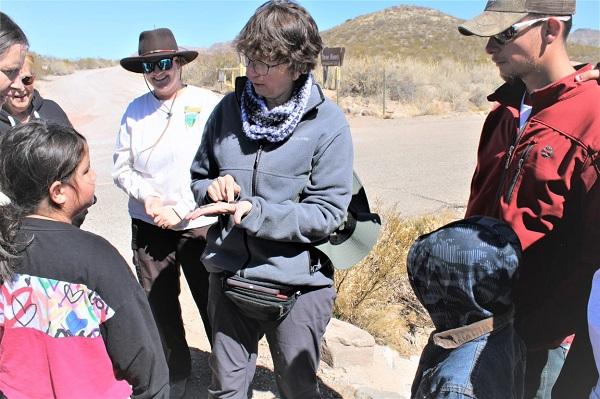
155,147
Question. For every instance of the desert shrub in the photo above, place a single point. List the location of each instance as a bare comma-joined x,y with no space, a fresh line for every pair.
582,53
404,91
361,84
204,70
478,97
93,63
429,87
376,295
425,86
45,65
59,67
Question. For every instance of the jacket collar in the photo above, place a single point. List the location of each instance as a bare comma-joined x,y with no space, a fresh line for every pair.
4,117
36,103
316,95
511,93
456,337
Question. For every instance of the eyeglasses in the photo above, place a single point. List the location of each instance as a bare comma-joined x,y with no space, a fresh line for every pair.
512,32
260,68
28,80
164,65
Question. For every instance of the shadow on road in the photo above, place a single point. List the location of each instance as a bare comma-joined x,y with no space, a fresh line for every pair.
263,383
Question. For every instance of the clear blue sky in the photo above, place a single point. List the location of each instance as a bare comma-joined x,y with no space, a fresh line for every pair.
110,29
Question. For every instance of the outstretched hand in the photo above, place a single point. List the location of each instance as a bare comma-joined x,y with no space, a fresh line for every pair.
237,209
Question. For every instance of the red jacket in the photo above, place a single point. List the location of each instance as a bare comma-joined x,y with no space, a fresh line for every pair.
544,182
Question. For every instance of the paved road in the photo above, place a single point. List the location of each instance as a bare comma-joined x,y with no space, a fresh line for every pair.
417,165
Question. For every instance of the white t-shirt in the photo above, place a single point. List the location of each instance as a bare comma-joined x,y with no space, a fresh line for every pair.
155,147
525,112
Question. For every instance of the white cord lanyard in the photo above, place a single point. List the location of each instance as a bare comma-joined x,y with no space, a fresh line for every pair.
13,122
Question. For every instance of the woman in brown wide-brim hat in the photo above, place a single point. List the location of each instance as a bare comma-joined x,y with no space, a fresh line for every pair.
159,135
154,46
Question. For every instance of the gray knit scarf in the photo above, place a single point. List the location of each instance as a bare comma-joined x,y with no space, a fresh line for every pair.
273,125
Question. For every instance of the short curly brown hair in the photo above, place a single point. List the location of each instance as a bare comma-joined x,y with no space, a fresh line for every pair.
283,31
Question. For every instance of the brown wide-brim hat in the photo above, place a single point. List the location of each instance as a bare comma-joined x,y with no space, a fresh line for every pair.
155,45
500,15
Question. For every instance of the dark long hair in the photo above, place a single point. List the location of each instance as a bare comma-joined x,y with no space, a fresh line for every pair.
10,33
32,157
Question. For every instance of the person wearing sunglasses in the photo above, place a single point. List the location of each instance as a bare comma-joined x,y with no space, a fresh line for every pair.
24,102
538,169
159,135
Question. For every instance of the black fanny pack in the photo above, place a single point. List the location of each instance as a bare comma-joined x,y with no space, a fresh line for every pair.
260,300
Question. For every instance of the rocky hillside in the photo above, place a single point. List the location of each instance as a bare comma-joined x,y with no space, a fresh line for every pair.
420,33
586,37
411,31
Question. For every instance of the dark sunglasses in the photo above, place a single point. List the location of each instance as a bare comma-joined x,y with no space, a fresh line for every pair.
164,65
28,80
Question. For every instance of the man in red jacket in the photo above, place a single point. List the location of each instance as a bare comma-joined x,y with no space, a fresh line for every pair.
538,169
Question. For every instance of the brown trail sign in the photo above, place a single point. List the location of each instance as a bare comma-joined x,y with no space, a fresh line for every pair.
333,56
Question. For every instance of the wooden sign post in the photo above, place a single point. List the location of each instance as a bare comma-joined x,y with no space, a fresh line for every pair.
333,56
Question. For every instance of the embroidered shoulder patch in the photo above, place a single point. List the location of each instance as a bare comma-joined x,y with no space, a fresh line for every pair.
56,308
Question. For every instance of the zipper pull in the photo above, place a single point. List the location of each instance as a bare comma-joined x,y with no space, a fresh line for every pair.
257,156
508,156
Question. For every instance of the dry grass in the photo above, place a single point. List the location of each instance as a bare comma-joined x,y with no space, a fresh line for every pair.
582,53
204,70
376,295
406,31
45,65
417,87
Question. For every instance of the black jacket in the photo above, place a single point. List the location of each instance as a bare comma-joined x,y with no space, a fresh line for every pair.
47,110
58,259
41,108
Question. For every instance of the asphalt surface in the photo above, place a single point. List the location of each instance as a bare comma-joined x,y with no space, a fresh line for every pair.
414,166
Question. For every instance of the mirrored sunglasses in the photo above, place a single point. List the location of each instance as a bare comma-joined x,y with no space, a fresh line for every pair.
512,32
28,80
164,65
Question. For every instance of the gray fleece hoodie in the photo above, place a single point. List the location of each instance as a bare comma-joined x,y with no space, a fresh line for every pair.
299,190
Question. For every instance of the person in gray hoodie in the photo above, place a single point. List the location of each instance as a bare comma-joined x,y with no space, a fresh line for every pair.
276,164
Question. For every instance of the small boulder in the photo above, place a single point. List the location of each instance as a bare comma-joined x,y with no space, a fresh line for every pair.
346,345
